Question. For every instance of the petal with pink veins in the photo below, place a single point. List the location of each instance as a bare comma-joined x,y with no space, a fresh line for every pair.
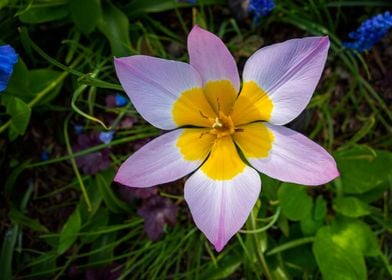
221,207
293,158
211,58
288,74
155,84
165,159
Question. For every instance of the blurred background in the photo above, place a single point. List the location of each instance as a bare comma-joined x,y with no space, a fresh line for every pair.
66,125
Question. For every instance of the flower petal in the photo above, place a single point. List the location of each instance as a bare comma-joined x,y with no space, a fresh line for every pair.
286,74
224,162
166,158
220,207
154,85
8,58
292,158
217,67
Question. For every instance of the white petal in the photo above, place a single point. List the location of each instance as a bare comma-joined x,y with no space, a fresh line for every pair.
221,207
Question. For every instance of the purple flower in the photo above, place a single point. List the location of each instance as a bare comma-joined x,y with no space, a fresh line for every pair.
8,58
93,162
117,100
212,116
156,212
370,32
121,100
260,8
106,137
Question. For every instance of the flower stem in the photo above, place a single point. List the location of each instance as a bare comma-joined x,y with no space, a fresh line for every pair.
74,166
259,252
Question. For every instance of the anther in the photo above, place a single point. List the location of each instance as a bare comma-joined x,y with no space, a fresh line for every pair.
217,123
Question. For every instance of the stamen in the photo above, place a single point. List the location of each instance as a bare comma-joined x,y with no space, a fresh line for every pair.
217,123
217,101
204,116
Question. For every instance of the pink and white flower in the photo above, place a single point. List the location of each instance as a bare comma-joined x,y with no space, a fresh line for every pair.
212,118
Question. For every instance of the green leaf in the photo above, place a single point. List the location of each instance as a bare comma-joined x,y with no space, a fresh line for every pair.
351,207
309,226
3,3
227,267
342,246
19,218
337,262
20,115
320,209
7,252
19,84
346,230
100,219
138,7
85,14
68,234
295,201
115,26
101,255
363,169
13,176
103,183
40,14
315,219
302,257
41,79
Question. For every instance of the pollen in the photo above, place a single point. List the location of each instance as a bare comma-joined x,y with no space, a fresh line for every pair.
222,125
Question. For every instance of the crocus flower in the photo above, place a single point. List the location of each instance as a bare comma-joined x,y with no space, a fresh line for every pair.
8,58
370,32
212,124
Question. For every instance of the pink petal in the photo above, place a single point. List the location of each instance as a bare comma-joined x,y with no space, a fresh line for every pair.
288,72
295,158
221,207
161,160
209,55
154,84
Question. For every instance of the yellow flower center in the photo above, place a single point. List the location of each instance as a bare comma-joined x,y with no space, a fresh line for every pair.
221,126
220,122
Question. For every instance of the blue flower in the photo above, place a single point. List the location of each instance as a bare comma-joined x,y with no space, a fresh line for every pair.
370,32
79,129
120,100
106,137
8,58
260,8
44,155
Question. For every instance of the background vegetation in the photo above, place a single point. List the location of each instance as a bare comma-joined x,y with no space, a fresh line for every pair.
63,217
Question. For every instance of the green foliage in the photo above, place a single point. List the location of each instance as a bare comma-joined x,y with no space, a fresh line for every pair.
19,113
85,14
295,202
59,219
114,25
363,169
68,233
340,249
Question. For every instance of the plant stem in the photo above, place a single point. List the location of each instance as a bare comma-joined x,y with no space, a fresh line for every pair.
259,253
